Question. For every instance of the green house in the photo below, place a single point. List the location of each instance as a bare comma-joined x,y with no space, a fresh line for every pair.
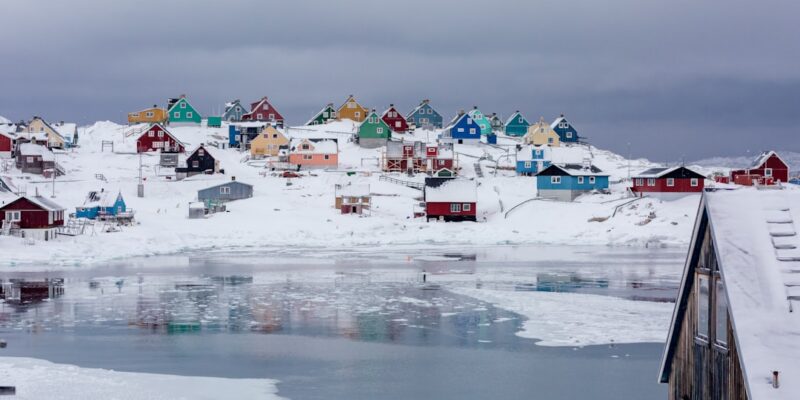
326,114
181,112
481,120
516,124
373,132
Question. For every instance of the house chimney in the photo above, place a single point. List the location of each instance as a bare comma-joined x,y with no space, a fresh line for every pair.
426,101
460,112
183,96
474,107
775,383
233,178
391,105
155,105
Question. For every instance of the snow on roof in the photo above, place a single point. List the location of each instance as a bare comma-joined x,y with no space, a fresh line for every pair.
513,116
104,198
351,190
4,120
32,149
44,202
327,106
763,157
759,280
555,123
7,182
250,124
8,131
453,190
659,172
574,170
66,129
197,205
319,146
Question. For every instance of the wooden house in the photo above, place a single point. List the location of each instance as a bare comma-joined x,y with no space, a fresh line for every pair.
240,134
225,192
396,122
668,183
234,111
152,115
481,120
450,199
373,132
767,169
566,182
102,204
200,161
352,199
424,116
8,141
532,159
263,110
158,138
33,217
541,133
351,110
40,132
566,132
462,130
516,125
497,123
181,112
268,143
416,157
314,152
34,158
324,115
735,326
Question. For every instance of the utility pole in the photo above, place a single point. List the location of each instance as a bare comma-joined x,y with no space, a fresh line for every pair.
55,171
629,161
140,187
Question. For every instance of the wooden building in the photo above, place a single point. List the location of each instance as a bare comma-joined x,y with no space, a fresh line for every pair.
424,116
152,115
450,199
566,132
565,182
396,122
268,143
483,122
351,110
201,161
352,199
324,115
33,217
234,111
516,125
41,132
767,169
541,133
373,132
37,159
158,138
181,112
263,110
314,152
8,140
668,183
418,157
225,192
735,328
461,130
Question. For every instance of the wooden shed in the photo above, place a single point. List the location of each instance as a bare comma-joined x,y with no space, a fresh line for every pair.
225,192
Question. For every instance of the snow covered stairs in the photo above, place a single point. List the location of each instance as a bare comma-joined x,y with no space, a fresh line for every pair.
786,243
478,170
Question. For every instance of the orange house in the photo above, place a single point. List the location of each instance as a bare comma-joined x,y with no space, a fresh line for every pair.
314,152
152,115
352,110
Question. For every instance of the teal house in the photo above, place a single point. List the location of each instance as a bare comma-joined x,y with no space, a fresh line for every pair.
233,111
181,112
566,182
516,124
481,120
326,114
373,131
101,204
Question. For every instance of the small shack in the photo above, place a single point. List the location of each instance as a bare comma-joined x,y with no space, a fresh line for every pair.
197,210
352,199
225,192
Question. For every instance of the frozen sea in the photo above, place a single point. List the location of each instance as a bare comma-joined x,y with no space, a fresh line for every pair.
364,325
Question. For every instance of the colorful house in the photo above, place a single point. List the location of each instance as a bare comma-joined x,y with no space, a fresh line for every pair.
532,159
516,124
373,132
424,116
180,112
34,158
314,152
263,110
34,217
268,143
40,132
102,204
541,133
225,192
767,169
462,130
7,142
326,114
158,138
566,132
234,111
734,327
67,130
200,161
352,199
668,183
450,199
568,181
416,157
351,110
152,115
396,122
481,120
240,134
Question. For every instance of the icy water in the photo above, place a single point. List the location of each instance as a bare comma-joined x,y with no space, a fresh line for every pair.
346,325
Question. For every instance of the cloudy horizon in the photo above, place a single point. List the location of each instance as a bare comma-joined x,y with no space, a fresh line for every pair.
669,81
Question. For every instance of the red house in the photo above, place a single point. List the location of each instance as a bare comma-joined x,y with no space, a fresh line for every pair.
6,144
415,157
668,183
262,110
158,138
767,169
397,123
32,217
450,199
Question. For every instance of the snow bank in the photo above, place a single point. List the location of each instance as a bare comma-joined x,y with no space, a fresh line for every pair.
575,319
40,379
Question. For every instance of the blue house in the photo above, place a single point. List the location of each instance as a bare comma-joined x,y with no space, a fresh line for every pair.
244,132
568,181
566,132
462,130
424,116
516,124
532,159
101,204
233,111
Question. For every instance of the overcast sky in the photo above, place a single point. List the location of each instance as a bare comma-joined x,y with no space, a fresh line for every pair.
678,79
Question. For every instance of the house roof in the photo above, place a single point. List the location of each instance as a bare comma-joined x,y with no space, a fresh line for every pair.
556,122
451,190
42,202
66,129
54,130
421,104
227,184
33,149
455,120
351,97
571,170
763,157
170,134
178,101
758,252
351,190
104,198
669,172
514,116
327,106
7,183
320,146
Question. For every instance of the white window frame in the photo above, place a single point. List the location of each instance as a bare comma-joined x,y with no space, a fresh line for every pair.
768,172
183,104
13,216
224,190
670,182
651,181
694,182
592,180
569,135
161,134
189,114
527,164
151,133
148,114
176,114
379,130
555,180
471,131
455,207
639,182
466,207
580,180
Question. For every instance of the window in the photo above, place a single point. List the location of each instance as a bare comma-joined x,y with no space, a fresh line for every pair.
307,157
454,207
527,164
176,114
201,152
357,114
259,116
13,216
189,114
161,134
183,105
274,135
520,120
639,182
304,147
379,130
702,306
272,117
50,217
148,114
461,130
538,153
324,114
569,135
224,190
151,133
591,180
327,157
134,114
466,207
555,180
767,171
469,120
550,140
351,105
721,332
441,162
580,180
195,164
651,182
471,131
694,182
398,124
430,111
670,182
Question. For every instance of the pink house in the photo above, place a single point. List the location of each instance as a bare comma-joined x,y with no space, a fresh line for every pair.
314,152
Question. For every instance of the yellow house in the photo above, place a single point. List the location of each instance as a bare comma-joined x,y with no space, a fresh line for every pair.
268,143
352,110
541,133
41,132
152,115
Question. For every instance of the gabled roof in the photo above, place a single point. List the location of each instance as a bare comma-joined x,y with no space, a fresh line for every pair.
423,103
175,138
231,182
66,129
450,190
351,97
41,202
557,121
33,149
755,241
55,131
229,105
105,198
669,172
455,120
329,105
763,157
514,116
6,184
320,146
571,170
178,102
211,151
351,190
